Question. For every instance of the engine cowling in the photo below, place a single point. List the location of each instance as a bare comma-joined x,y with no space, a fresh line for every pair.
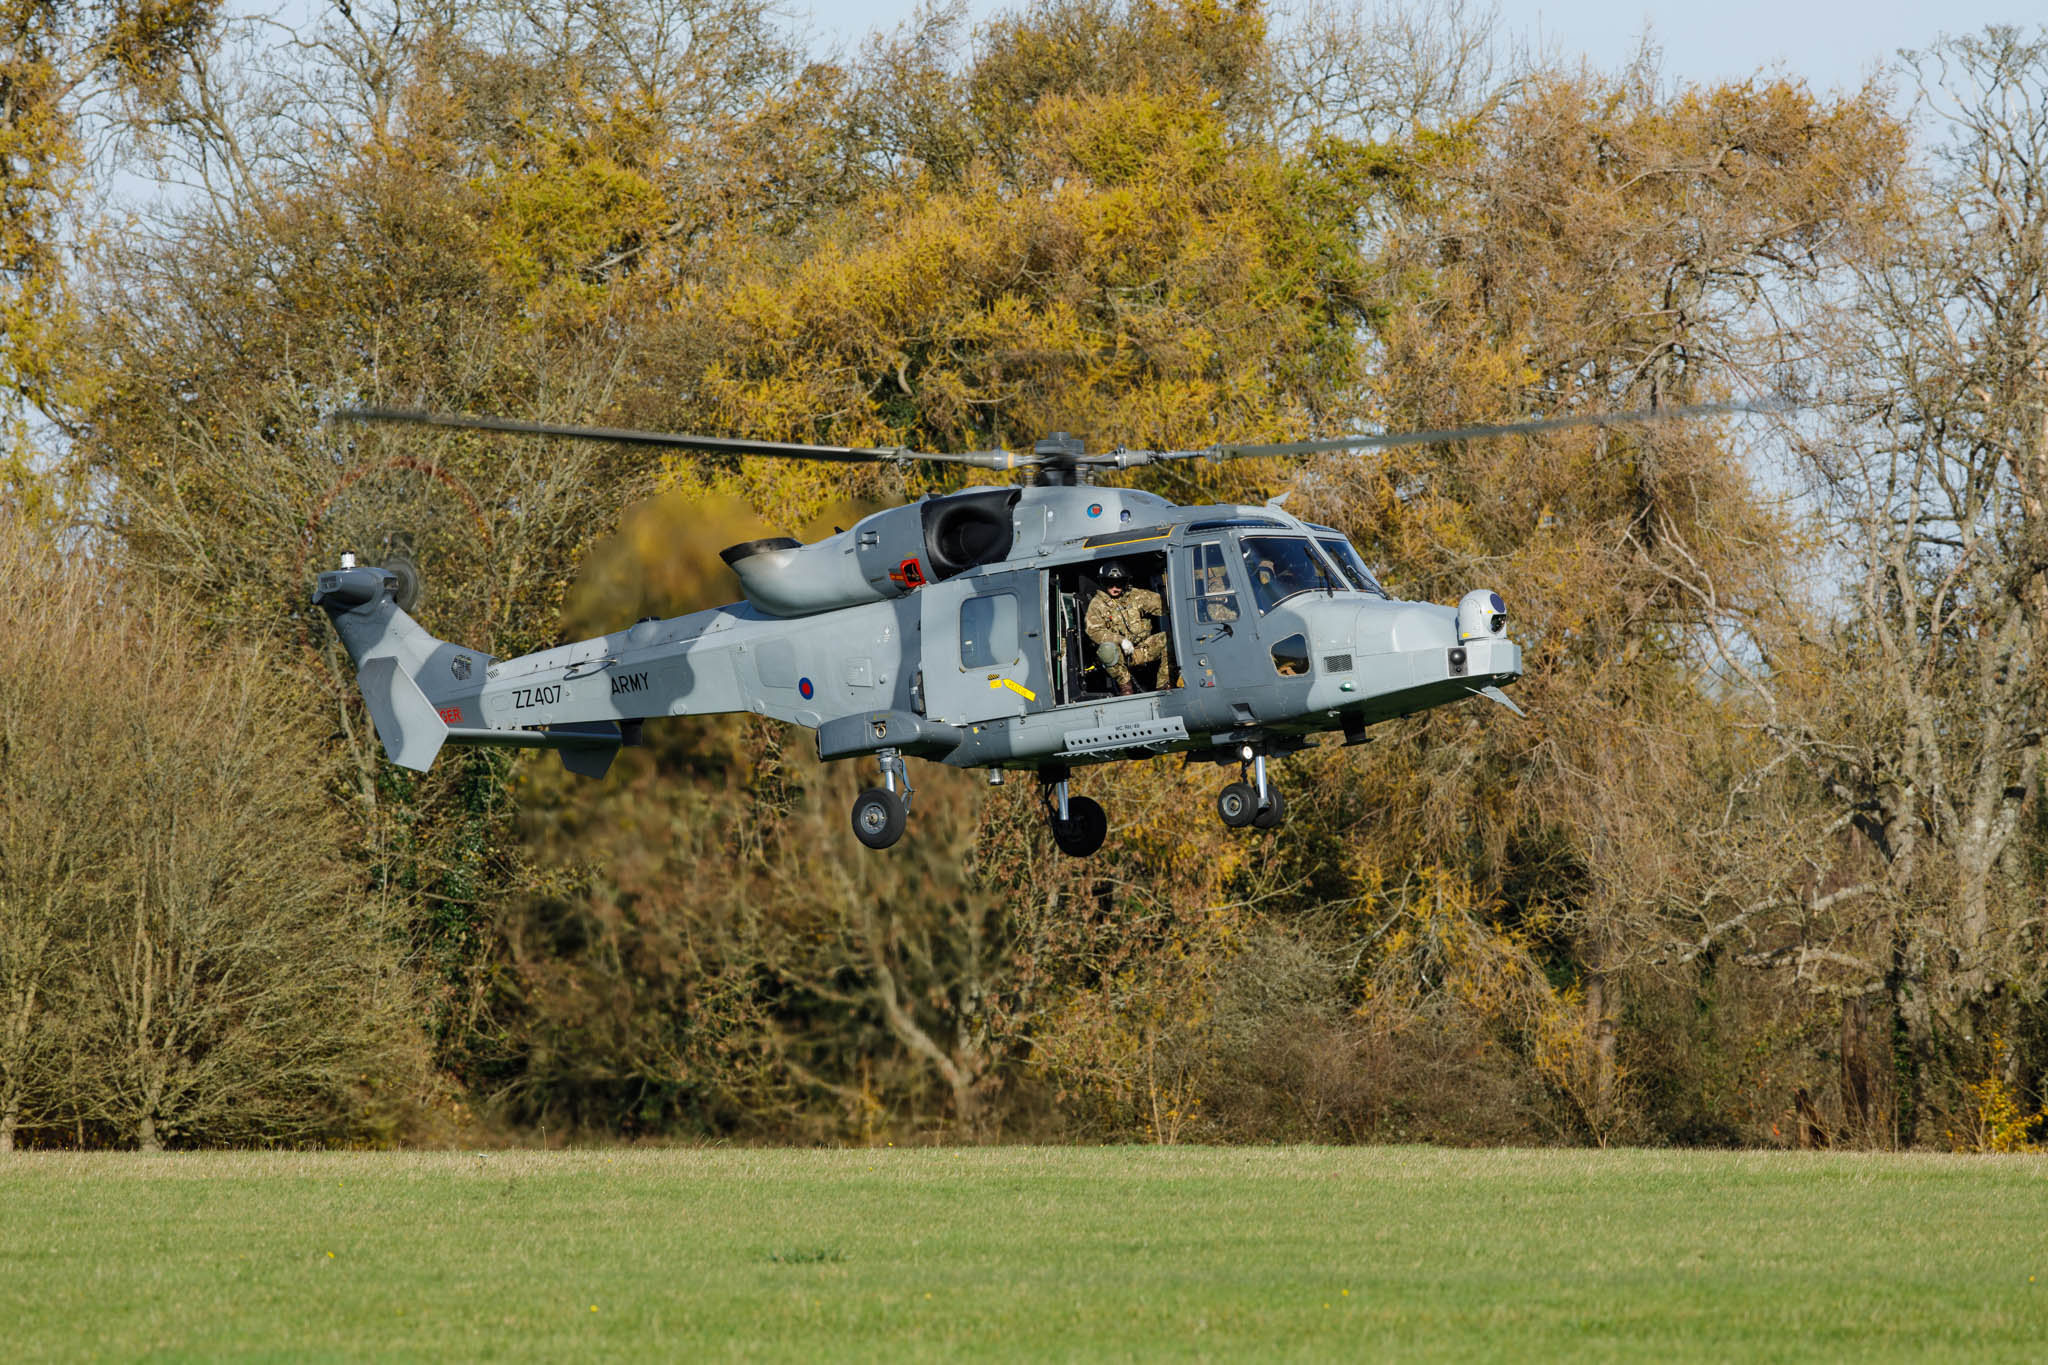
880,557
784,577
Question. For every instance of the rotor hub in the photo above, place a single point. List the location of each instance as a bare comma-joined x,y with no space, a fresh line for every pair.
1057,461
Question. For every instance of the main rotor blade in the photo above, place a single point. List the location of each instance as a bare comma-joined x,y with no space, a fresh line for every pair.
717,445
1446,435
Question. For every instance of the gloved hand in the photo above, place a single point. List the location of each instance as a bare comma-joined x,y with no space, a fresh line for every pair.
1129,648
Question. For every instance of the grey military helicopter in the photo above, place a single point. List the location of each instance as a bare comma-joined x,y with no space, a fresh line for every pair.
955,629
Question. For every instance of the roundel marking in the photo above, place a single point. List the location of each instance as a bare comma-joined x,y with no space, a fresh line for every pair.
803,685
1094,509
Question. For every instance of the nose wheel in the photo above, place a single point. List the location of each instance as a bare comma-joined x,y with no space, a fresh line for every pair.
1251,801
880,813
1084,829
1079,825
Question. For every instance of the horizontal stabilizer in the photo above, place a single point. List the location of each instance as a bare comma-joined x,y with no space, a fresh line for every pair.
406,721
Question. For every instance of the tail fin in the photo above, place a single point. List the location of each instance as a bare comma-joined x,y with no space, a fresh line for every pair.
393,654
412,731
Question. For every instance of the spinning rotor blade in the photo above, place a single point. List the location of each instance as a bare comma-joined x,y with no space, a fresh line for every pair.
719,445
1058,453
1445,435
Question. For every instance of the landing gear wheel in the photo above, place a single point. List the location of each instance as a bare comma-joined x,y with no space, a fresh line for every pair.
878,817
1273,812
1084,829
1237,803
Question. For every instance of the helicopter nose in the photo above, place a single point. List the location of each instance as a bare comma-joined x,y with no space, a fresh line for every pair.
1386,631
1418,625
1422,643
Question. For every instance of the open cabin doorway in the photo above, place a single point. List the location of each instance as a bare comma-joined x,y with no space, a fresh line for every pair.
1080,675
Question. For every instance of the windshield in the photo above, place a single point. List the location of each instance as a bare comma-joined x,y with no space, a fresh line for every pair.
1351,566
1281,567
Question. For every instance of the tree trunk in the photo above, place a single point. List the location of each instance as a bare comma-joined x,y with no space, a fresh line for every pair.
1813,1132
17,1048
1859,1086
1912,1043
1600,1024
146,1139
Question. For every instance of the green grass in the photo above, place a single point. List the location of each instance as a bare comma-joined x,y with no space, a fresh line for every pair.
1024,1254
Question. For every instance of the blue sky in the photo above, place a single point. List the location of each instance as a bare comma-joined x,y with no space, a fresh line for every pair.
1829,43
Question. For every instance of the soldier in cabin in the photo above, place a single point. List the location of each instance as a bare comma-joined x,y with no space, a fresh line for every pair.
1123,621
1219,602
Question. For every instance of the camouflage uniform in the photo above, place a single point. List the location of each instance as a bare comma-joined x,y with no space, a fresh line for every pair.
1218,601
1128,616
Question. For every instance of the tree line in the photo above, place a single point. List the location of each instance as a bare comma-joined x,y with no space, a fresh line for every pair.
1764,866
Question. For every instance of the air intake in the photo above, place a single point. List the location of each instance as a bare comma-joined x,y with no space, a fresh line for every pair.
968,529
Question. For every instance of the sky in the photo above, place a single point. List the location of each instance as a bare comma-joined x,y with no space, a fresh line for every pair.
1831,44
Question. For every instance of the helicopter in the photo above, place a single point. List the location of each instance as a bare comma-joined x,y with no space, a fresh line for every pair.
965,628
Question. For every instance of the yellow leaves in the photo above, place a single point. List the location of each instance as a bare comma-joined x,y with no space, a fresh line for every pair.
1134,276
2002,1121
147,38
565,223
1131,1050
38,156
1128,138
1445,939
1202,53
1441,946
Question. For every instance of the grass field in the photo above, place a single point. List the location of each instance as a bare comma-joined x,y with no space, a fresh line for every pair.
1015,1253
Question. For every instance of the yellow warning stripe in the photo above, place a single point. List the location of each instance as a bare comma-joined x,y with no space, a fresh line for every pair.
1019,688
1137,537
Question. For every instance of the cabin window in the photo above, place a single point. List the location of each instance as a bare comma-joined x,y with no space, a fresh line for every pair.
1290,657
988,631
1215,599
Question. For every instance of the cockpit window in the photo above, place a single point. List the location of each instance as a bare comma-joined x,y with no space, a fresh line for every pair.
1348,563
1279,567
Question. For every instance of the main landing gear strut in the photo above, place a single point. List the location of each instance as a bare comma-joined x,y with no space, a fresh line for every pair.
1078,824
879,813
1251,800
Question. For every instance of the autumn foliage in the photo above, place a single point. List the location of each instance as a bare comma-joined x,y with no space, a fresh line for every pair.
1764,865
